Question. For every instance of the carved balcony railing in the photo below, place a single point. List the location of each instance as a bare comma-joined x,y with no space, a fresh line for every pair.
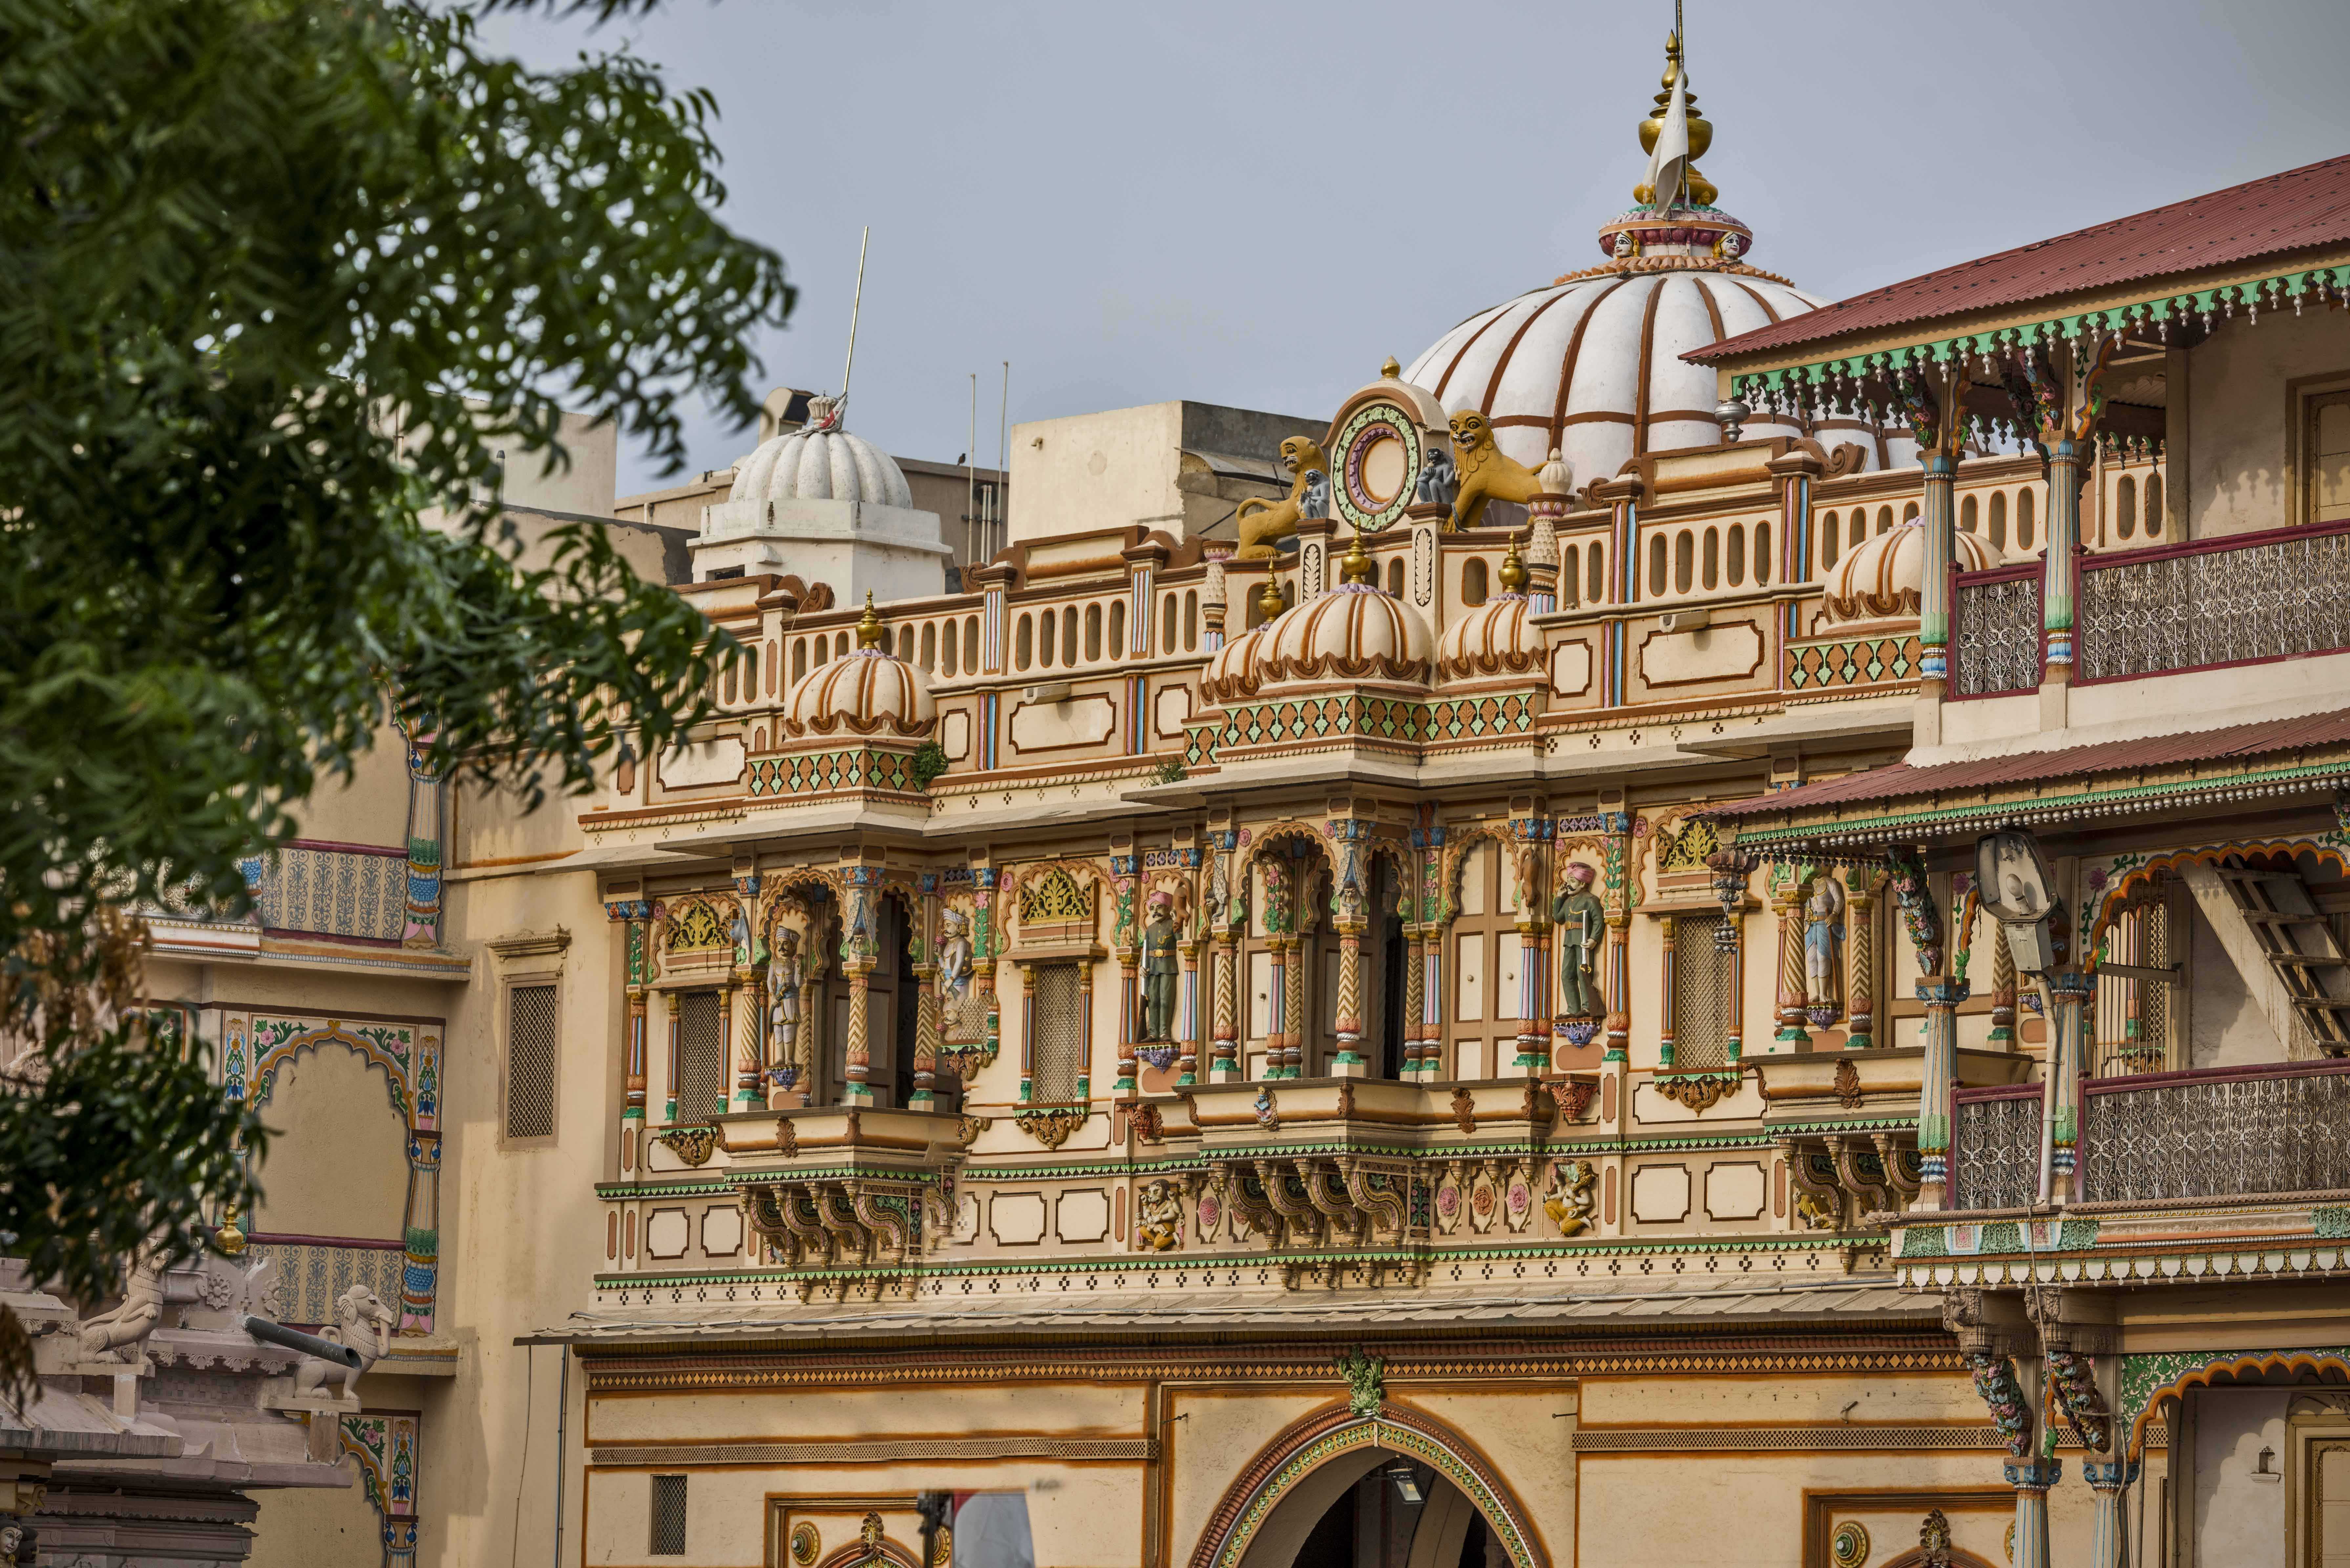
1995,1147
2240,600
347,891
2260,1130
313,1271
2265,1130
1995,631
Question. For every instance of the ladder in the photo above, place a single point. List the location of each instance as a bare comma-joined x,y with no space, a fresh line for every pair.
2298,941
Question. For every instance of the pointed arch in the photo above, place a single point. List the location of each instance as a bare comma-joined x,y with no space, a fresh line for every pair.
1308,1444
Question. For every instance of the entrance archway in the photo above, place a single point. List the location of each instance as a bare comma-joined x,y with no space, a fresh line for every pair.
1273,1506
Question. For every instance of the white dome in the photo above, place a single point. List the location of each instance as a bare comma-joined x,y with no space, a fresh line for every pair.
1584,363
820,462
1355,632
866,692
1498,637
1884,579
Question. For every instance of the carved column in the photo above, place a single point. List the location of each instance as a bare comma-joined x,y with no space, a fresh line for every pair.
1224,1064
1129,962
1729,873
2031,1480
1941,996
1293,1043
1415,991
1669,1016
2068,994
857,1090
2057,566
1534,995
926,1039
1027,1031
1085,1031
632,1108
2003,991
421,918
2108,1478
1787,903
1935,513
1349,1023
1187,1027
1619,977
1860,959
747,1027
985,946
1212,598
1277,1037
669,1103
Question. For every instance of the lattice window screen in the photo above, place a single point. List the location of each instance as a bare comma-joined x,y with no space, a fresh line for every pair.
700,1058
1057,1057
1700,993
669,1516
531,1048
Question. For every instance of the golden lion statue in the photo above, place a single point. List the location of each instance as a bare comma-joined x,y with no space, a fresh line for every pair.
1487,474
1264,523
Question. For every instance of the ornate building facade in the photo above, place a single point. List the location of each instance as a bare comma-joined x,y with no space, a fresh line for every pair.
1717,940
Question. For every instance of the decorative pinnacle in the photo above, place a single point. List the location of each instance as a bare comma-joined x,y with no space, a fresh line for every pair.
1390,370
1356,566
1513,570
869,625
1268,599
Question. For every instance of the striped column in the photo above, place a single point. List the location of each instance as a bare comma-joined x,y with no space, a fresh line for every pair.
2059,1129
2056,566
1938,1073
1187,1014
2031,1482
2111,1480
1669,1028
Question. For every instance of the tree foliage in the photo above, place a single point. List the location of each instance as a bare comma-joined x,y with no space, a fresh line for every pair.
279,281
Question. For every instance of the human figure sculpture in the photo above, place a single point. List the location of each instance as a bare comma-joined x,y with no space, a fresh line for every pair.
1439,480
1158,1216
1158,970
1314,500
1573,1200
362,1322
784,1004
1582,922
117,1334
1823,927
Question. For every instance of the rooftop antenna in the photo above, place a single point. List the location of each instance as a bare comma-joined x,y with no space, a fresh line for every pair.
855,304
1003,445
971,478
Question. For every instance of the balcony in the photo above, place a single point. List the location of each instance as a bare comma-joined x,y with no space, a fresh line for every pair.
2193,1176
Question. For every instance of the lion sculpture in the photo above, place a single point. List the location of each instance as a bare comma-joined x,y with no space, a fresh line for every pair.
1264,524
1486,473
363,1323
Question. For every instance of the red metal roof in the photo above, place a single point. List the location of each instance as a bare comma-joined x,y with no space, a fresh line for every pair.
2289,212
1900,780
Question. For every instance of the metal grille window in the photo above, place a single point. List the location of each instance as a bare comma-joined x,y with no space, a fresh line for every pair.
669,1517
2133,1012
2220,604
1995,1150
1056,1056
1701,994
1995,633
531,1047
700,1056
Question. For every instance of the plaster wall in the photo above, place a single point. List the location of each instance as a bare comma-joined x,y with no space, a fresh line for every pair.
1775,1401
2225,1026
2242,416
338,1165
371,808
2238,1518
1120,466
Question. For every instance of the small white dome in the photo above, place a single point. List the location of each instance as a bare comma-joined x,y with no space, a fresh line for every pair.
820,462
1498,637
1357,631
1229,677
1885,578
866,692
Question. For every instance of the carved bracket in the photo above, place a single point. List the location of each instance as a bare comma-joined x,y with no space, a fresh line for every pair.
1050,1125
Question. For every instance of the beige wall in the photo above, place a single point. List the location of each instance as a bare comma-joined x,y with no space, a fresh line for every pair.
2243,414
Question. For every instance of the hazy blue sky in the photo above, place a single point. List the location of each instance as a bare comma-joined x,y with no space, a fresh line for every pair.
1255,203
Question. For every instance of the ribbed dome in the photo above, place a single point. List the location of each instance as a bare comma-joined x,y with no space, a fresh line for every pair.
1592,365
1354,632
1498,637
1230,674
1884,579
820,462
866,692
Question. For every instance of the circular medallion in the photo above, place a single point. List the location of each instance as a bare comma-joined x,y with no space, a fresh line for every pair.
1378,461
1849,1548
804,1543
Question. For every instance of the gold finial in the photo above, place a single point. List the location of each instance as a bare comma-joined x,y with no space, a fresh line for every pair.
1701,131
1356,566
1390,370
1268,599
869,625
228,1239
1513,571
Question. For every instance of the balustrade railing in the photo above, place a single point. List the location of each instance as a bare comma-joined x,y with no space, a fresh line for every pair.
2216,1133
335,890
2260,1130
1995,631
313,1271
1995,1147
2238,600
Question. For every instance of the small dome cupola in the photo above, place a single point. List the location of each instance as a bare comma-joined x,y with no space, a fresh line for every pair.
821,462
1884,579
1499,637
1356,632
867,691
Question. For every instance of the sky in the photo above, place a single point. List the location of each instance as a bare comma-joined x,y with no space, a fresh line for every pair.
1257,204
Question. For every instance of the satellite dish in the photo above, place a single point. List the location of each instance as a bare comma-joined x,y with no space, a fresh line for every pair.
2018,889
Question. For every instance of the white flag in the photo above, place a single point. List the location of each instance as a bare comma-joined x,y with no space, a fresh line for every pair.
1668,164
